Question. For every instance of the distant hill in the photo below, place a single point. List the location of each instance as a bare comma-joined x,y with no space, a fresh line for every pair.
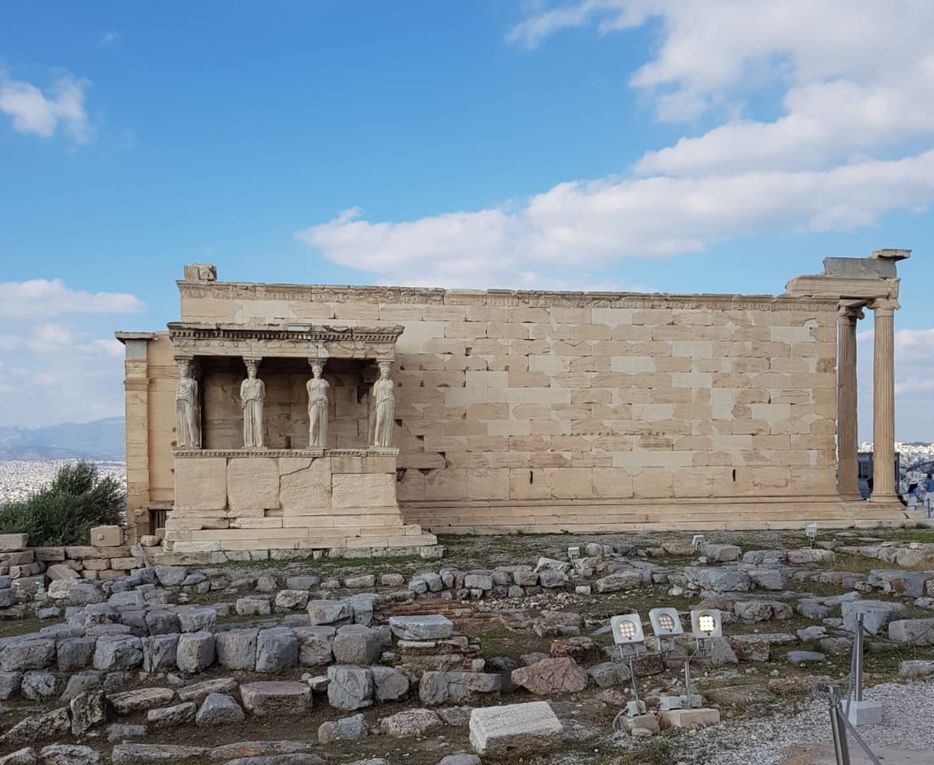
99,440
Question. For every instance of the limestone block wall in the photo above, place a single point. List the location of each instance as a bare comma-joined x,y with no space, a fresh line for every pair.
280,499
552,410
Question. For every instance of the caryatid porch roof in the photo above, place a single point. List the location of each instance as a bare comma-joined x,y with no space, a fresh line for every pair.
293,340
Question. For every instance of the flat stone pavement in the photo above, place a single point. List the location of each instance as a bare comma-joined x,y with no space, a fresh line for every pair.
824,755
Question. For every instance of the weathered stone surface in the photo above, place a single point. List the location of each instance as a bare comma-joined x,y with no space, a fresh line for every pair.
159,652
129,702
758,557
141,754
916,668
162,621
412,722
461,758
87,710
621,580
117,652
276,649
243,749
9,684
876,614
40,686
720,579
68,754
807,556
356,644
236,649
913,631
436,688
314,645
389,684
515,729
721,553
899,582
804,657
550,676
276,698
767,578
759,647
427,627
195,652
345,729
43,725
27,653
197,619
349,687
169,717
25,756
330,612
218,709
288,600
198,692
170,576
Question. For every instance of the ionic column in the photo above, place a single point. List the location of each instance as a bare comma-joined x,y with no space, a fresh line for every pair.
883,402
847,432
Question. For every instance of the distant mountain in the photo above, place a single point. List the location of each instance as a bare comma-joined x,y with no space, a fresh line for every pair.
99,440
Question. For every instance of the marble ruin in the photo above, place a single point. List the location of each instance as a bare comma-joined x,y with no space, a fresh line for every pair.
367,419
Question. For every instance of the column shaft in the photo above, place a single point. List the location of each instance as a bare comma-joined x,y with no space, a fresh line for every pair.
883,404
847,431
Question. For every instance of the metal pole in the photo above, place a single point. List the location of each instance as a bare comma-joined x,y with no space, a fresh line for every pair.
838,727
632,680
858,659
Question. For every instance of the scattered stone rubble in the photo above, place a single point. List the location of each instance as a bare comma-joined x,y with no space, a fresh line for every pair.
170,647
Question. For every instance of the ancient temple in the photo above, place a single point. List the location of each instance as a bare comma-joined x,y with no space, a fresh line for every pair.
308,417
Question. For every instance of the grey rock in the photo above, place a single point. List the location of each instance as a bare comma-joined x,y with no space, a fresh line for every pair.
162,621
9,684
913,631
170,717
142,754
412,722
916,668
218,709
247,749
550,676
461,758
121,732
276,698
427,627
314,645
720,579
552,579
362,582
40,686
43,725
68,754
391,580
389,684
811,609
236,649
804,657
330,612
81,682
721,553
344,729
910,583
619,581
27,653
808,556
128,702
814,632
170,576
75,653
87,710
198,692
195,652
197,619
437,688
349,687
876,614
304,582
606,674
287,600
356,644
117,652
25,756
127,599
276,650
767,578
159,652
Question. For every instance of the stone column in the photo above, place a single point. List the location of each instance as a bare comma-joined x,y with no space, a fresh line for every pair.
883,402
847,433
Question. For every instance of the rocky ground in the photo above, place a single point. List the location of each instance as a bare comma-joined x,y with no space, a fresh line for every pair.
281,662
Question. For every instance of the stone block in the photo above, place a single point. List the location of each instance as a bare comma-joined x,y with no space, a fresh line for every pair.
236,649
363,491
689,719
129,702
170,717
13,542
106,536
912,631
515,729
218,709
276,698
427,627
252,484
876,614
27,653
356,644
276,649
314,645
195,652
201,483
330,612
61,571
304,485
159,652
350,687
390,684
344,729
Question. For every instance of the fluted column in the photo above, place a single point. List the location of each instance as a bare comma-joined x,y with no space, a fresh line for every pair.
883,402
847,431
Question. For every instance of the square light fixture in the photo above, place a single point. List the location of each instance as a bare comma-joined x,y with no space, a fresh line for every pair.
627,629
706,623
665,622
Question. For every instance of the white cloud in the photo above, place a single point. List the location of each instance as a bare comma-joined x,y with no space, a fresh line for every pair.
41,113
44,298
847,147
110,38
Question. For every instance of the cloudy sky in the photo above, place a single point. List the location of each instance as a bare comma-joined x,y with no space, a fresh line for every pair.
722,146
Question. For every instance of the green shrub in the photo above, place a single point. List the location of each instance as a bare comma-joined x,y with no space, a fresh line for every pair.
64,512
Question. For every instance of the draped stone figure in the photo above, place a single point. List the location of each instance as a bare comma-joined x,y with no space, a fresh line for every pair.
187,409
384,401
317,407
252,396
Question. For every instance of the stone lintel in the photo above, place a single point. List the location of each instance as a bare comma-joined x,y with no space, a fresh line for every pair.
123,337
891,254
821,286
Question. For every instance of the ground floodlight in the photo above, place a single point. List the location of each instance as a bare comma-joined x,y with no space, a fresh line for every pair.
665,622
810,530
627,629
706,623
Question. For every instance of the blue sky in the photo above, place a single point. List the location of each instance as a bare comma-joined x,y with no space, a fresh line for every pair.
630,144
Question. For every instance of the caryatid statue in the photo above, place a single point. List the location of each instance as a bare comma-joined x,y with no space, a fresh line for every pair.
252,396
187,409
317,407
384,403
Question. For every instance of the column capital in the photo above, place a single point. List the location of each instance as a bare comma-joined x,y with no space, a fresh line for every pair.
885,305
851,309
317,361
